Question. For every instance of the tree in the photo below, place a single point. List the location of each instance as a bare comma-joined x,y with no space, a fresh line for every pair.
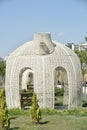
35,111
83,59
82,55
4,116
2,68
2,73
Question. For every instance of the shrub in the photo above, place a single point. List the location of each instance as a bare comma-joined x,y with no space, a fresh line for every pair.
35,111
4,116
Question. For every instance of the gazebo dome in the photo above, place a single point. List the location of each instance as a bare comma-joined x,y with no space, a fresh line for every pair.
41,45
43,58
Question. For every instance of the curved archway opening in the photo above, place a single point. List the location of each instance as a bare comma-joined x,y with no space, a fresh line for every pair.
26,87
61,88
26,78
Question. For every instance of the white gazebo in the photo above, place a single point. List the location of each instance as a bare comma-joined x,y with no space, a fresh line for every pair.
39,61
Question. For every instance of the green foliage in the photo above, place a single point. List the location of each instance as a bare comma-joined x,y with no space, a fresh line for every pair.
59,101
2,73
17,111
83,59
49,111
4,116
84,100
82,55
26,97
59,91
35,111
75,112
30,90
2,68
66,112
26,93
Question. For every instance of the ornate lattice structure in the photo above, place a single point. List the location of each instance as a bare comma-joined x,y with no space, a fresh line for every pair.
37,61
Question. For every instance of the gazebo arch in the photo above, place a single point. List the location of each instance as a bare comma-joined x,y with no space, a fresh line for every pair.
26,78
61,81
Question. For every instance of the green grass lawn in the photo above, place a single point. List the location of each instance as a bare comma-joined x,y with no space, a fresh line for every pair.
51,120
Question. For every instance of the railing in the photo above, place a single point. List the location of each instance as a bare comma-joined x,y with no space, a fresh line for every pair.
26,98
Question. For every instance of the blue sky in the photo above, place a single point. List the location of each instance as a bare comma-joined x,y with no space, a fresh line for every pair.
66,20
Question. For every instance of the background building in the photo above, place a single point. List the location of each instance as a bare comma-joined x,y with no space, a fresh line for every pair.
78,47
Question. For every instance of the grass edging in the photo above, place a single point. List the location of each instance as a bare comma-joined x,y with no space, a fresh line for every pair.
75,112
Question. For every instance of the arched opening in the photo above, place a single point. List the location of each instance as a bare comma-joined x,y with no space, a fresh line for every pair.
61,87
26,87
26,79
